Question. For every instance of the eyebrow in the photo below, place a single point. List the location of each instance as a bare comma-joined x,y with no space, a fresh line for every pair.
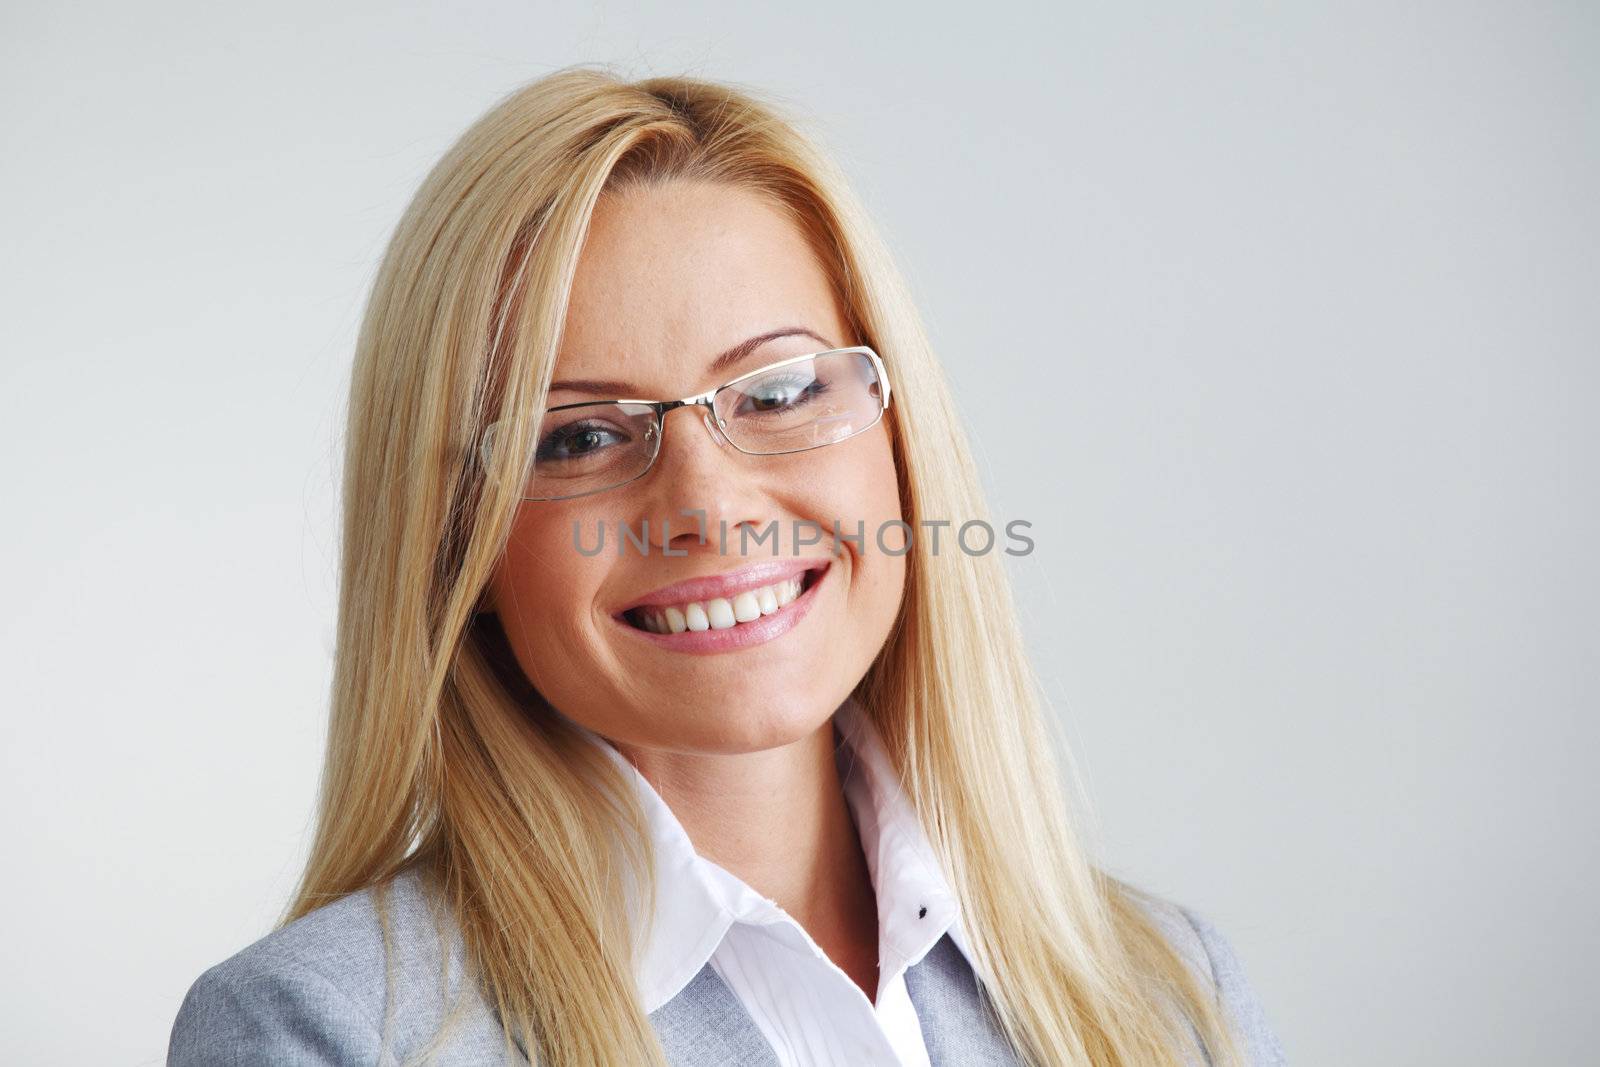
611,388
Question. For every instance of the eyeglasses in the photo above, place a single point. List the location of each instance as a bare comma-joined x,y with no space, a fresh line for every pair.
789,406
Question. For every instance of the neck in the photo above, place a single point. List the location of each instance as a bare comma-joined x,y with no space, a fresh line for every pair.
778,820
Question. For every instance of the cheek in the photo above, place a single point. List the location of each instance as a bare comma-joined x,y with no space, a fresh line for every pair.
862,489
544,590
867,488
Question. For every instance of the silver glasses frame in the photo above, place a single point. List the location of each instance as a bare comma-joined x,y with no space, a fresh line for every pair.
715,425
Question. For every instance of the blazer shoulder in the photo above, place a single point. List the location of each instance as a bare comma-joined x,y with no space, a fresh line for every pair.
1204,947
318,990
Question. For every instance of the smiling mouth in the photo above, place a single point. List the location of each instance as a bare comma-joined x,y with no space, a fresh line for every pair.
723,613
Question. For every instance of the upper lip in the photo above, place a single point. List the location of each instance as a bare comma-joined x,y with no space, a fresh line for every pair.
729,585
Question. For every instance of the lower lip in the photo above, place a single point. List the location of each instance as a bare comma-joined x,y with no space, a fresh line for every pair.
741,635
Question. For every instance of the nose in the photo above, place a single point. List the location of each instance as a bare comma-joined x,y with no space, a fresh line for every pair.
701,486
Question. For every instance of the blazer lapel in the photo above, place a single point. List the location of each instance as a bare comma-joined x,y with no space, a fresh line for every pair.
958,1025
706,1026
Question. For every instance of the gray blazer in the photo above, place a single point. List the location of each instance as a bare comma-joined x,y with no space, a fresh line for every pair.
312,995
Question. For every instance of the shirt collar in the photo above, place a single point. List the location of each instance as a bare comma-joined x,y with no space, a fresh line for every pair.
698,901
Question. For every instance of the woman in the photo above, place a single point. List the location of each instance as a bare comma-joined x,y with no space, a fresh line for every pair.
628,763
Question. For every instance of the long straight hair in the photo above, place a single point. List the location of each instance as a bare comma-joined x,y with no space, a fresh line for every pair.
441,755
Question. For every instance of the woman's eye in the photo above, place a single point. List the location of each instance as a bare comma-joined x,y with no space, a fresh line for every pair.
780,395
577,442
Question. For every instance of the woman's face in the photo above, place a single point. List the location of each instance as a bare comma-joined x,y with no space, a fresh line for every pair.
669,278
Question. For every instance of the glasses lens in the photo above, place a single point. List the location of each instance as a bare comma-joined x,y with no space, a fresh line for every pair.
820,400
591,447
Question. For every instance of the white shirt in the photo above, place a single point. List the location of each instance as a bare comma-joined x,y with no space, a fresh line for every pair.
809,1010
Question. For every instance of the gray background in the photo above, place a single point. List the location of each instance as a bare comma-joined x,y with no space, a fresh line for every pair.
1278,321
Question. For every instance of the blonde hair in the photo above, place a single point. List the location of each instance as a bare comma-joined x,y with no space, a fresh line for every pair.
441,755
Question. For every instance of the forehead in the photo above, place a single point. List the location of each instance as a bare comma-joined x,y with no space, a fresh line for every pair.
671,275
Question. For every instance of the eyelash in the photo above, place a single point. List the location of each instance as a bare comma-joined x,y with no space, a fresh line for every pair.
556,437
811,388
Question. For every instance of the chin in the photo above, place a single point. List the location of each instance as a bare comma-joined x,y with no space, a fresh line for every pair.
754,728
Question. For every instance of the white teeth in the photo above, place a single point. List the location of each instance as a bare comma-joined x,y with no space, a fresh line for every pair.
746,607
720,613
